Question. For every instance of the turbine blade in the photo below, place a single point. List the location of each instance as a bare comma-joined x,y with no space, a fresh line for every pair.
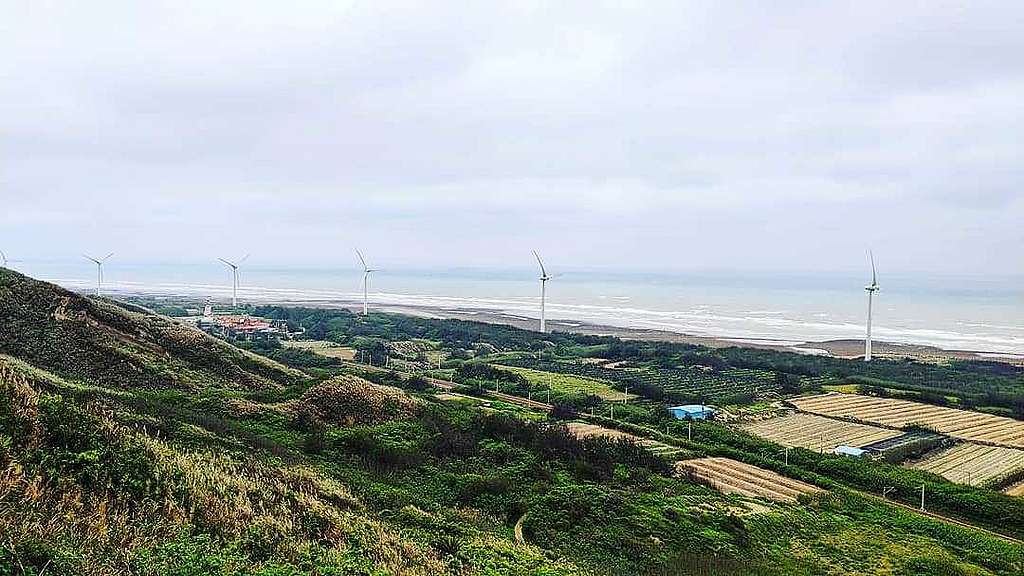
107,257
87,257
543,272
244,258
363,260
874,273
228,263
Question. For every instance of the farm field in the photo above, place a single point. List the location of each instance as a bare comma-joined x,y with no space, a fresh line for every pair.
970,463
733,477
1015,490
687,381
817,432
322,347
962,424
569,384
582,430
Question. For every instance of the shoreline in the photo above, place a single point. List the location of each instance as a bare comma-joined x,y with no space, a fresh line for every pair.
838,348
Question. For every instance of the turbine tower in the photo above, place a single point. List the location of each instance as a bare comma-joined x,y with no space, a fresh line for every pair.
366,281
871,289
99,270
543,290
234,278
3,259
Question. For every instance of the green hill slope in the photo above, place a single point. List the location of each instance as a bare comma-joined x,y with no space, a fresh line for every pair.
114,345
132,445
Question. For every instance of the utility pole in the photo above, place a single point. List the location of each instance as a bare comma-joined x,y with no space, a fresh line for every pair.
922,497
787,455
821,443
886,490
689,431
625,395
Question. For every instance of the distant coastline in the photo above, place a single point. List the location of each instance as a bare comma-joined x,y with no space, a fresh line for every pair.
838,347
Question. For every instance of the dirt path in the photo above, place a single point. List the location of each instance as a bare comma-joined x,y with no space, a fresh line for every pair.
518,530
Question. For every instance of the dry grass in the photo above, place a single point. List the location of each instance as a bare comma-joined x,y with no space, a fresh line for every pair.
278,513
348,400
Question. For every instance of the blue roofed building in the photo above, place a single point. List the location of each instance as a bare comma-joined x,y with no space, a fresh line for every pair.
693,412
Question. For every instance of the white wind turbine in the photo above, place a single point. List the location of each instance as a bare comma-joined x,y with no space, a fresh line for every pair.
3,259
366,281
99,270
871,289
543,290
234,278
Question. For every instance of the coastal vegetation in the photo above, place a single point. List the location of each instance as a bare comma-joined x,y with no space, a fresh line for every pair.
132,444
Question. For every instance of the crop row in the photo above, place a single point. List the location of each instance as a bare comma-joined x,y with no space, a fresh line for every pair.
892,413
817,432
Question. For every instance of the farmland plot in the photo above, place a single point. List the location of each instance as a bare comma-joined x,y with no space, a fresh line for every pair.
974,464
732,477
582,430
684,380
962,424
570,384
817,432
323,348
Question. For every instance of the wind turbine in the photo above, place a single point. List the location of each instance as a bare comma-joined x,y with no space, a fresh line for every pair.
366,280
871,289
3,259
234,278
543,290
99,270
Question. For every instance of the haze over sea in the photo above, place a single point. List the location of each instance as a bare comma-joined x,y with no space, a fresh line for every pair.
972,313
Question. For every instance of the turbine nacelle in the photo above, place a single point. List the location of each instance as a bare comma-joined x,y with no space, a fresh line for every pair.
366,282
871,289
234,277
544,277
99,269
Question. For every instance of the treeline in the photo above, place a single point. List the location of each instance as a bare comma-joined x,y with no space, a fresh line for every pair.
974,383
344,326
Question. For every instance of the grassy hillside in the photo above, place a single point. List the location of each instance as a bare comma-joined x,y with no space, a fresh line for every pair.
119,346
132,445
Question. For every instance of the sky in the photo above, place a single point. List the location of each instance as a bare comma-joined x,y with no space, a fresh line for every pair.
743,136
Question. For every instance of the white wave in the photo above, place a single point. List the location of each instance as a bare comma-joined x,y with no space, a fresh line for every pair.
698,320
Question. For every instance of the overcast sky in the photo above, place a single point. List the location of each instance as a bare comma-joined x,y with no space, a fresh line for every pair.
680,135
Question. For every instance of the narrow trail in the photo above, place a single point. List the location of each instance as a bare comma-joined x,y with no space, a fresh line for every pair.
518,530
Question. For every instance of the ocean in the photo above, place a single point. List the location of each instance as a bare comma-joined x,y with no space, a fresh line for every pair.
978,313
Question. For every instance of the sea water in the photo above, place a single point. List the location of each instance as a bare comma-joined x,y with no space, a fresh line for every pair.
977,313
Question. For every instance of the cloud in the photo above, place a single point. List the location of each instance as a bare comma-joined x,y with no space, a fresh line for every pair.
657,134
